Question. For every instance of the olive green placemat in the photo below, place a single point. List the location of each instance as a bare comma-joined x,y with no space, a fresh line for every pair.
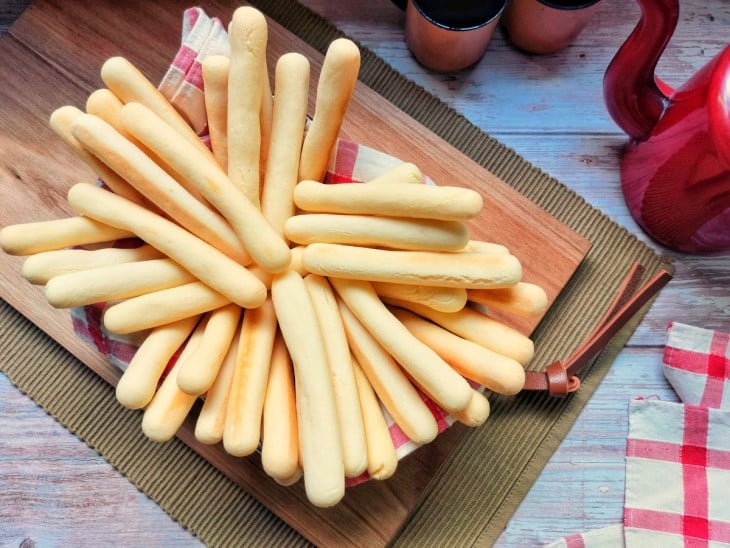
493,466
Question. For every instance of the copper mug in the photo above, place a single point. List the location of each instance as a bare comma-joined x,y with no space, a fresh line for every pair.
450,35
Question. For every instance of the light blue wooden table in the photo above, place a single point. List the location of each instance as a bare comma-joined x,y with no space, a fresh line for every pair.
58,492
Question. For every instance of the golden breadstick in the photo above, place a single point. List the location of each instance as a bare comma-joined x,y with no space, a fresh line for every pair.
479,328
114,282
287,133
40,236
445,385
280,439
382,458
499,373
445,203
405,172
215,82
524,299
164,415
242,433
489,248
297,254
129,84
41,267
161,307
248,34
334,90
266,118
197,375
267,248
467,270
476,412
445,299
195,255
156,184
389,381
349,413
138,383
212,418
319,436
367,230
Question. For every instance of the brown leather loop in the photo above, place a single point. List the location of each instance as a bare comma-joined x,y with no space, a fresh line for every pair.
557,378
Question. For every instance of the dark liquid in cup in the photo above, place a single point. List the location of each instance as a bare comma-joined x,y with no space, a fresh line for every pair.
459,14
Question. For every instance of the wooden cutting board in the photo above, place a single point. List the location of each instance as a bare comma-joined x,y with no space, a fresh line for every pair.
52,57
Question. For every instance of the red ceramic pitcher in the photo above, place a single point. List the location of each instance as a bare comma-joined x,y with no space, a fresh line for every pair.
675,170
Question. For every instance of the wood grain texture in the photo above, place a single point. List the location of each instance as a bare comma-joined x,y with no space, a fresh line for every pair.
550,110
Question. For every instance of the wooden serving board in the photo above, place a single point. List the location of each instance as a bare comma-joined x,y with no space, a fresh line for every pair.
52,57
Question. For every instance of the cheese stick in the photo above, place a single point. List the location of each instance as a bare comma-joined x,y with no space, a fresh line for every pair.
445,299
157,185
476,413
382,458
41,267
446,203
390,383
138,383
445,385
61,121
523,299
197,375
349,413
335,87
287,134
161,307
114,282
242,433
319,436
405,172
212,418
489,248
164,415
466,270
40,236
366,230
499,373
280,438
195,255
215,82
267,248
479,328
248,34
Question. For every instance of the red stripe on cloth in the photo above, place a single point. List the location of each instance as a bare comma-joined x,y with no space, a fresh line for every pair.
93,324
718,371
345,158
669,452
398,436
666,522
686,360
184,58
693,457
575,541
194,75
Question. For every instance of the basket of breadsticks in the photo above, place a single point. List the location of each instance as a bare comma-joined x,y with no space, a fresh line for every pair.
322,301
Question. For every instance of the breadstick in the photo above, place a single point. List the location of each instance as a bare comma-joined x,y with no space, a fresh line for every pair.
195,255
114,282
212,418
242,433
319,436
215,82
61,121
41,267
287,134
476,413
161,307
40,236
267,248
366,230
157,185
382,458
280,439
445,385
445,299
497,372
349,413
524,299
489,248
334,90
197,375
445,203
389,381
266,118
404,172
467,270
166,412
479,328
297,265
248,34
138,383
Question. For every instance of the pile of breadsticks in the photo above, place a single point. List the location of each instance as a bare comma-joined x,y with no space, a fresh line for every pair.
304,314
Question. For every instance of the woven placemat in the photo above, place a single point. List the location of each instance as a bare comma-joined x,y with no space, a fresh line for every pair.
503,457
